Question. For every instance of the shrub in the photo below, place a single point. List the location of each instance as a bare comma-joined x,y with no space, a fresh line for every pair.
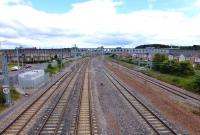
2,100
177,68
197,83
185,68
197,66
49,66
158,59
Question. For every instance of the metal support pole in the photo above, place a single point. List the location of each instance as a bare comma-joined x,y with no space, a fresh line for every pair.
6,85
17,57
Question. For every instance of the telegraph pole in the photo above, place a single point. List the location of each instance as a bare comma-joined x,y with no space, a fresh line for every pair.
6,85
17,57
75,54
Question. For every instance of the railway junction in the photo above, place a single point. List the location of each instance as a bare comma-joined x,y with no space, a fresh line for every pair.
100,97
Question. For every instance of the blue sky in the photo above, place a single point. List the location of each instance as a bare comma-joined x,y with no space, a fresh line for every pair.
63,6
54,6
92,23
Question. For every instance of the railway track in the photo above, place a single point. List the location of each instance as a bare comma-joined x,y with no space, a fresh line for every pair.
175,91
84,122
17,126
157,124
51,122
84,118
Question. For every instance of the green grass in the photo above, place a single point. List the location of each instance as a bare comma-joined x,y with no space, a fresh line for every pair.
14,95
10,65
182,82
52,70
185,82
57,68
128,65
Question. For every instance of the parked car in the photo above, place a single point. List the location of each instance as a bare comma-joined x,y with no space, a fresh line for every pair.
15,68
28,66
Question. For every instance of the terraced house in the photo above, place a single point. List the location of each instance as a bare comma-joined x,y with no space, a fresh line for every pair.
32,55
177,54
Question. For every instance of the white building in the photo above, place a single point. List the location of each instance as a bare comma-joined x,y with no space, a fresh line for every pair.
31,79
181,58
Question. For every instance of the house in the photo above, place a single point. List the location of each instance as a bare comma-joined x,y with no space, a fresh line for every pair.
170,57
181,58
197,59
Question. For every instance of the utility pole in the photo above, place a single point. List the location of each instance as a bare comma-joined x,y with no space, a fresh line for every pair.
17,57
75,53
6,86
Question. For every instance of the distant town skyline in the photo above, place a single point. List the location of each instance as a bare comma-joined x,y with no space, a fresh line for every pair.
94,23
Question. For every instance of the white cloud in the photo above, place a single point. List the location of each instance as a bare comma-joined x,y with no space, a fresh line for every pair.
94,23
197,3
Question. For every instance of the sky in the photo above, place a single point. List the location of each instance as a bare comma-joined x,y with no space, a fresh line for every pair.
93,23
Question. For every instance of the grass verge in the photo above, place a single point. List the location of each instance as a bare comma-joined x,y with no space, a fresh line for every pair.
186,82
14,95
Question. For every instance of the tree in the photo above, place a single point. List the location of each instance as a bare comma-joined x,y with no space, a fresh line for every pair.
197,83
55,56
197,66
185,68
157,61
165,67
59,61
49,66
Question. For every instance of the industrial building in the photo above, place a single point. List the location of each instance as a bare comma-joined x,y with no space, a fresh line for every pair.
31,79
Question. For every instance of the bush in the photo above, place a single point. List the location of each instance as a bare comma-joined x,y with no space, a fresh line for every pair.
2,100
158,59
49,66
113,56
197,83
177,68
185,68
197,66
164,67
14,94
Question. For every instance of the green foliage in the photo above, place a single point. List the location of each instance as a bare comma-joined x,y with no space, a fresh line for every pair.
49,66
59,61
197,67
197,82
185,68
14,94
170,74
162,64
159,57
113,56
127,60
51,70
2,100
177,68
157,60
55,56
54,69
194,47
169,66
